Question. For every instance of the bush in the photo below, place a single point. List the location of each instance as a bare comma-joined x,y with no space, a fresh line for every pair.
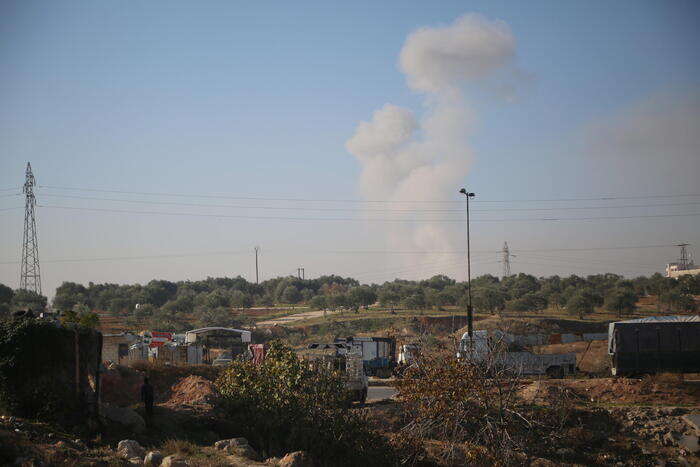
37,370
474,405
283,406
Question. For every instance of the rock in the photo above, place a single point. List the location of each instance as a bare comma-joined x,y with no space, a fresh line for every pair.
124,416
693,420
296,459
153,458
670,438
541,462
237,446
174,461
135,461
128,449
689,443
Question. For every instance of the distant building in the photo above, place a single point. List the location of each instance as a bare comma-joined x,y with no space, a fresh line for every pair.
115,347
675,270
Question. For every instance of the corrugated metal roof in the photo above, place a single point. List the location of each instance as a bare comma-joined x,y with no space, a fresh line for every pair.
664,319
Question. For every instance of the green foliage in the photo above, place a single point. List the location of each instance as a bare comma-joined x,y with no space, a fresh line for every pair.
318,302
40,383
489,298
291,294
621,299
282,406
26,299
81,316
581,303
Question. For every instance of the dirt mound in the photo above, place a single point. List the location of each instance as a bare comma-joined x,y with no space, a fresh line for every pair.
194,391
663,389
545,392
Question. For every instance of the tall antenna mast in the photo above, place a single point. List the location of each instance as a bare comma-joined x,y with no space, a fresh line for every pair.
506,259
683,260
257,250
30,275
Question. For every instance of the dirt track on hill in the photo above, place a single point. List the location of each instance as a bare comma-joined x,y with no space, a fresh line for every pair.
294,318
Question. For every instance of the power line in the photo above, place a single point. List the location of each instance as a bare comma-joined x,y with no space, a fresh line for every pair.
232,216
294,208
194,195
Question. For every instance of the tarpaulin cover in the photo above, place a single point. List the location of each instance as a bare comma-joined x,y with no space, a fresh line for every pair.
651,319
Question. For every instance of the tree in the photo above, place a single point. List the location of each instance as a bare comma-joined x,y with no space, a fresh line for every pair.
318,302
621,299
6,295
581,303
531,301
361,296
676,300
26,299
388,297
240,299
489,298
291,294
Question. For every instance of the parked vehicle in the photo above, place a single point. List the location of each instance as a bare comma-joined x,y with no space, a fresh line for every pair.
378,353
655,344
497,348
346,360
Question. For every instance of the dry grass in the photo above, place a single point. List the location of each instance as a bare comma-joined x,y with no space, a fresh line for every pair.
180,447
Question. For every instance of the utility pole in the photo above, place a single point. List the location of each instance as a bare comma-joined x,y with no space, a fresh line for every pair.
257,279
506,260
683,260
470,318
30,278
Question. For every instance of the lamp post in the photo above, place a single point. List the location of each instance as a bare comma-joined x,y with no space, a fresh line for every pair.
470,327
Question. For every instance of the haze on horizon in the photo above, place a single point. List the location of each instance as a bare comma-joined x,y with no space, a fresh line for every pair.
170,138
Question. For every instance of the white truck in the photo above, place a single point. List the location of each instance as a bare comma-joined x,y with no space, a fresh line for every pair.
496,346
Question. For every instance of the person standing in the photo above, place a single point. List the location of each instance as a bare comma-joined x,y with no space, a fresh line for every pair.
147,398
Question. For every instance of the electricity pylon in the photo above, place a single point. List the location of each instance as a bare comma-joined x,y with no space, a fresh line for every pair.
30,278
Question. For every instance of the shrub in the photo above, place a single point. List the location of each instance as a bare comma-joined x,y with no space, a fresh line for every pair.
473,407
283,406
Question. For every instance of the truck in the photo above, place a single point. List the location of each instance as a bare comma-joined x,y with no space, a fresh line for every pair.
498,346
655,344
378,353
345,359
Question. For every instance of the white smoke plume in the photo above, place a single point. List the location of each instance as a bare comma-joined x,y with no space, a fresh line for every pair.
404,158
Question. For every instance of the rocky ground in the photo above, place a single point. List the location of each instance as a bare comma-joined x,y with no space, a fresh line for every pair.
652,421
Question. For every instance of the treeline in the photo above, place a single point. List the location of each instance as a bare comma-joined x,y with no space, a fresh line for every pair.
178,305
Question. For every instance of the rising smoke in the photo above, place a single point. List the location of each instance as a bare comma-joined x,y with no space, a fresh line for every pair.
410,160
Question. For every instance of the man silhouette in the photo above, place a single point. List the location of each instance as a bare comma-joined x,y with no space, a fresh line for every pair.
147,398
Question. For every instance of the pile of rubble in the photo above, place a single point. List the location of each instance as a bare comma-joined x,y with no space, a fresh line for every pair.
668,427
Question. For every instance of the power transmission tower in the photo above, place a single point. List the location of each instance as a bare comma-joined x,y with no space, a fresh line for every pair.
506,259
257,249
683,260
30,275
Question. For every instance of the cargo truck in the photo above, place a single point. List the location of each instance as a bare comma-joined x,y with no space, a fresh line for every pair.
378,353
655,344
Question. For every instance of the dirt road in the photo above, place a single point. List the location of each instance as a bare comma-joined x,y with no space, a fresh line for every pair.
380,393
294,318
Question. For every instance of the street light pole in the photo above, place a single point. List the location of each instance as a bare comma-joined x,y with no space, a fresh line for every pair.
470,326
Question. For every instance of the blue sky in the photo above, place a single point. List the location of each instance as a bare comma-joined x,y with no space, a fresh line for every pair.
258,99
